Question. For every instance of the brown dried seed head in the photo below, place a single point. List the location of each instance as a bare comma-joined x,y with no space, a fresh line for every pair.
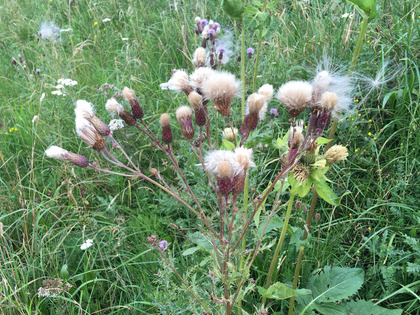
336,153
195,99
199,57
329,100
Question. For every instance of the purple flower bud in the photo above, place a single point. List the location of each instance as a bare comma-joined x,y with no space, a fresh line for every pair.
204,22
273,113
163,244
250,51
239,58
171,5
14,62
38,71
216,25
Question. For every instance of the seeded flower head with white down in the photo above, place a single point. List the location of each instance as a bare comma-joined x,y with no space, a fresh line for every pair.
58,153
84,110
199,76
221,88
295,95
213,158
178,82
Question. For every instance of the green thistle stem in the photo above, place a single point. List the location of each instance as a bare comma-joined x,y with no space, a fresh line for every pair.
279,244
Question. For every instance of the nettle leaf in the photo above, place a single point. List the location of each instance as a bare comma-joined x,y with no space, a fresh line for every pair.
299,188
279,291
335,284
234,8
367,307
366,7
326,193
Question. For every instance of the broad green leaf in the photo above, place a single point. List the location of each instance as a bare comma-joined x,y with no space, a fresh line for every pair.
335,284
367,307
227,145
322,140
299,188
190,251
319,173
278,185
326,193
279,291
275,223
250,10
272,4
366,7
234,8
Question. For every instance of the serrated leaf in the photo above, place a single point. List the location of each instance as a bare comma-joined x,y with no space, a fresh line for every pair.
335,284
367,307
190,251
366,7
227,145
234,8
279,291
275,223
330,308
326,193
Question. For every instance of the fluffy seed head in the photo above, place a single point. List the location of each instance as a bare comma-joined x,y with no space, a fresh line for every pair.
224,169
178,82
199,57
56,152
329,100
165,120
243,157
197,19
199,76
255,102
195,99
296,135
83,109
183,112
300,173
266,90
89,134
336,153
113,106
295,95
213,159
221,88
129,94
131,98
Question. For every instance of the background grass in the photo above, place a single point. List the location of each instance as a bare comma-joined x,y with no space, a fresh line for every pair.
48,209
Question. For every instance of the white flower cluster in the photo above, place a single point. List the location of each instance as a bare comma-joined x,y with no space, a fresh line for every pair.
86,244
62,83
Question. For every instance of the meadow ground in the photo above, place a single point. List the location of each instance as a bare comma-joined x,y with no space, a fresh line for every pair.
48,209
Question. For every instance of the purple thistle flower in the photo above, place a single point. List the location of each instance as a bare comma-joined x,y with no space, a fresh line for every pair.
204,22
163,244
171,5
216,25
250,51
273,113
38,71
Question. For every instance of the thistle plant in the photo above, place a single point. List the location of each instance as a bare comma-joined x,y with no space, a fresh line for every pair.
212,95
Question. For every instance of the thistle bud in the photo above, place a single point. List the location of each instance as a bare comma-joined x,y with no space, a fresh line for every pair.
228,134
300,173
62,154
184,117
116,108
295,95
336,153
165,122
131,98
195,100
250,51
224,182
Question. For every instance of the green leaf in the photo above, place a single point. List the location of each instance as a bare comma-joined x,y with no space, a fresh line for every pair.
64,272
227,145
366,7
272,4
335,284
234,8
275,223
326,193
318,173
257,214
190,251
299,188
322,140
279,291
367,307
250,10
278,185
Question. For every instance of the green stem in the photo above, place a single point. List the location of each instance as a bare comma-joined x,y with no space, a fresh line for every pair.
243,248
257,58
243,68
359,44
279,244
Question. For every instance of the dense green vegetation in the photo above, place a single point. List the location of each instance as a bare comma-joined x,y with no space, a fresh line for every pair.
48,209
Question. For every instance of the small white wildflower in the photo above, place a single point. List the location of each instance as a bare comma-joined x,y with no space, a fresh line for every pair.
86,244
35,119
347,15
116,124
106,20
58,92
59,86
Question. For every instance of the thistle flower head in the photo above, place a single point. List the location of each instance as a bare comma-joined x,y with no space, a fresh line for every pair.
221,88
335,154
255,102
300,173
197,19
178,82
50,32
295,95
329,100
266,90
62,154
224,169
199,57
213,159
224,47
199,76
184,117
84,110
165,120
87,132
131,98
296,135
195,99
243,157
228,134
116,108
